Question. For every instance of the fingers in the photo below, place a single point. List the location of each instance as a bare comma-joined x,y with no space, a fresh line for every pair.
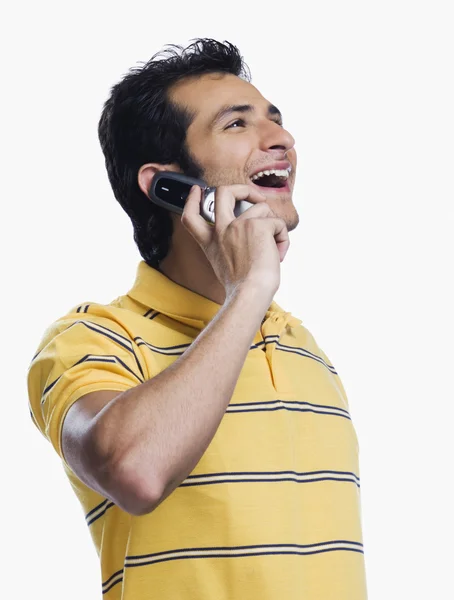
280,235
261,209
192,219
227,196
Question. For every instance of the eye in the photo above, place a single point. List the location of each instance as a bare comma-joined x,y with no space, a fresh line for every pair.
242,123
239,122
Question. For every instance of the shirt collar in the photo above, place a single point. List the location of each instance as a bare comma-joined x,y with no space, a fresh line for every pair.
156,291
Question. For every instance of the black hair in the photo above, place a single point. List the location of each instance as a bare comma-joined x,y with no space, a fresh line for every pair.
139,125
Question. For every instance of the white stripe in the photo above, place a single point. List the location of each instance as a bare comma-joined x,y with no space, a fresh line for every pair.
113,581
163,350
202,553
89,358
270,477
93,357
303,352
290,405
271,339
321,409
99,511
108,331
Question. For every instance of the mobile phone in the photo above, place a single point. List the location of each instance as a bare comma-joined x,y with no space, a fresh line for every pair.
170,190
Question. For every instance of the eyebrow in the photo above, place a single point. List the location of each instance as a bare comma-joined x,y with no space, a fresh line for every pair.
241,108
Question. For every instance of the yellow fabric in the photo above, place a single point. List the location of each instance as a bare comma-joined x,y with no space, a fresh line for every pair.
272,510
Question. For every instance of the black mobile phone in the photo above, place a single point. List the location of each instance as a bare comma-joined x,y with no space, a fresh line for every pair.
170,190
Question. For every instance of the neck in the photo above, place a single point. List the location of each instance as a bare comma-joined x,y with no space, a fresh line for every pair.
187,265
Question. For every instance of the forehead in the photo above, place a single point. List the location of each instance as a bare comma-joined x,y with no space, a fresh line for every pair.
206,94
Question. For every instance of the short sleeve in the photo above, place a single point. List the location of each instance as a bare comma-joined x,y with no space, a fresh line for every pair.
78,356
336,376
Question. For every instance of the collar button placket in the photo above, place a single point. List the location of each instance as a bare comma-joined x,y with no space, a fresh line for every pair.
271,329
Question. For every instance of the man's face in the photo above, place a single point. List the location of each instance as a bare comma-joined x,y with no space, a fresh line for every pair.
235,135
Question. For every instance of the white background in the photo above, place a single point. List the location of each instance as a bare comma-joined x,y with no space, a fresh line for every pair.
366,88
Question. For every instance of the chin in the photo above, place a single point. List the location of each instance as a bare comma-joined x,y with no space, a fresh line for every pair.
282,205
291,221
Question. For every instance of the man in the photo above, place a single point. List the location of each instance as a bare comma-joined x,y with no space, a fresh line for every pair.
205,433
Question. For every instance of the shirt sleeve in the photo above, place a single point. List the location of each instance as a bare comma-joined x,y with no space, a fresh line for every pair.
76,357
336,377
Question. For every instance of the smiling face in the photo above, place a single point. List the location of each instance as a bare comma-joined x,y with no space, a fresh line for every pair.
236,136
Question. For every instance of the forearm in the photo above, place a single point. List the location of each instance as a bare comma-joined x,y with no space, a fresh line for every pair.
156,433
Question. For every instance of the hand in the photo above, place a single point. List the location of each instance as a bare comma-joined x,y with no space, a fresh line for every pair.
242,251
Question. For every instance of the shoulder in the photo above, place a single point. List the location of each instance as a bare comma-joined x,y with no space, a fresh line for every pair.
86,319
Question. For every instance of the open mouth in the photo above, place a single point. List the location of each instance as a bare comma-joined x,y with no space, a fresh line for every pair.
273,179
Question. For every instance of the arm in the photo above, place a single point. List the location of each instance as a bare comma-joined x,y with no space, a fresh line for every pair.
136,447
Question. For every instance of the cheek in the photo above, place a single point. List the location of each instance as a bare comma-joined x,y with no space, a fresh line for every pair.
229,153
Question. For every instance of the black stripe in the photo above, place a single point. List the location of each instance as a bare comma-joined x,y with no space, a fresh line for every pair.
249,547
312,356
149,314
274,339
296,402
102,359
96,508
246,555
258,345
302,352
130,370
86,308
329,414
297,350
90,325
138,340
39,352
125,346
272,473
285,477
110,579
101,514
161,349
113,585
299,406
228,549
33,418
138,365
78,309
175,353
315,356
49,387
198,483
91,358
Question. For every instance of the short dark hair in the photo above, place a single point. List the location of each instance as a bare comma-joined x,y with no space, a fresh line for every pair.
139,125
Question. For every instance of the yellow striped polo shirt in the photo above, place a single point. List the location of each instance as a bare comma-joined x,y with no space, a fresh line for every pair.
272,510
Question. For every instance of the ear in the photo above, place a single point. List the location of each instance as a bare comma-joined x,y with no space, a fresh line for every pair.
148,171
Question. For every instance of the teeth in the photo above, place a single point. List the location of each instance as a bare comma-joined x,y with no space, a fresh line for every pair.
280,173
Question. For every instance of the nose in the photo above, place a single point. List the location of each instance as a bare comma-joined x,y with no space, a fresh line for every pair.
275,137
